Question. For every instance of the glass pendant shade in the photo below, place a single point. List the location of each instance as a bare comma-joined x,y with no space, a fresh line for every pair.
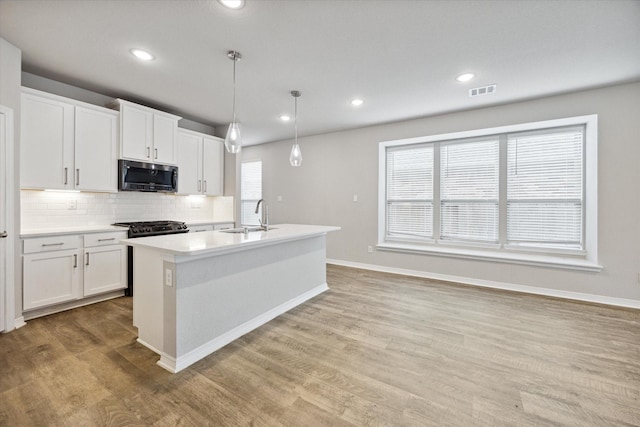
295,158
232,141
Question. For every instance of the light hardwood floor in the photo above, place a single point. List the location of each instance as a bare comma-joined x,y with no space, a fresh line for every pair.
377,349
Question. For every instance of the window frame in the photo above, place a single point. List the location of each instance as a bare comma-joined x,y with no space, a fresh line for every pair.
584,259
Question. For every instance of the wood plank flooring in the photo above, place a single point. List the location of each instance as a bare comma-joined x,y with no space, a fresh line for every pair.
375,350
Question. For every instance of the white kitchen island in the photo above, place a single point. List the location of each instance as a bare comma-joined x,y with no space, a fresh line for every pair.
196,292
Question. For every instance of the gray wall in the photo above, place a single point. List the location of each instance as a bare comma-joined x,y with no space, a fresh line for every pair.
338,165
10,66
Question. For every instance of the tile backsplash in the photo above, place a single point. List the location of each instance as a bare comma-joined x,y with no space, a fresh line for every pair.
45,209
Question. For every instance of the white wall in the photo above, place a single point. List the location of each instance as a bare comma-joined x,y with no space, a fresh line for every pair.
46,209
338,165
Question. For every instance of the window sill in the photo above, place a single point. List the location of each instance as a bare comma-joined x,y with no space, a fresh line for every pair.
487,255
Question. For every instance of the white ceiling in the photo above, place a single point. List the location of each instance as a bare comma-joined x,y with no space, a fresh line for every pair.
401,57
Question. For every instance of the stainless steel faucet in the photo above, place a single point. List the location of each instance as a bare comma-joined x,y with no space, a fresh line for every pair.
264,221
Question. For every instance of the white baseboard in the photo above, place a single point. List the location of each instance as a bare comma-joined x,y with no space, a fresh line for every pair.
599,299
175,365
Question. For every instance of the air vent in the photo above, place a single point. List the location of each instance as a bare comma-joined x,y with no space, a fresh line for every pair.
484,90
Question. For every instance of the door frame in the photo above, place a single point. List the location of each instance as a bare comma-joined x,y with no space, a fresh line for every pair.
7,299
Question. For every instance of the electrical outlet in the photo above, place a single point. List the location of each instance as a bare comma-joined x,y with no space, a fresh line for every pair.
168,277
72,204
370,249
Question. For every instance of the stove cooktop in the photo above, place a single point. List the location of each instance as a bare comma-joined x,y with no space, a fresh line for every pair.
153,228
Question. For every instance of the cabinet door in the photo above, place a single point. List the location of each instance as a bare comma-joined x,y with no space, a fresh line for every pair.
137,133
104,269
165,131
46,143
189,175
212,166
96,139
51,278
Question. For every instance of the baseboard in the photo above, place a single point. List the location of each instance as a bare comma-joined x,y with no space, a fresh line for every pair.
19,322
45,311
175,365
598,299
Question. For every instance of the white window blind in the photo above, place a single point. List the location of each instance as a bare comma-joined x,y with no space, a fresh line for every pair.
545,187
250,192
469,190
410,192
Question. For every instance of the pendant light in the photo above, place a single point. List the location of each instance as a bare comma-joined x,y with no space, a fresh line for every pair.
295,158
233,141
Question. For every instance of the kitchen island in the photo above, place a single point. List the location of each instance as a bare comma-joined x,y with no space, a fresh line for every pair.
195,293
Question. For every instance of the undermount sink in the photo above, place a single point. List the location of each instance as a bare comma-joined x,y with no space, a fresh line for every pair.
242,229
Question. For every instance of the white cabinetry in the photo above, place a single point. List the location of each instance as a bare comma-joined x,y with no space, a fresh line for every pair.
51,272
66,144
104,263
200,163
146,135
69,267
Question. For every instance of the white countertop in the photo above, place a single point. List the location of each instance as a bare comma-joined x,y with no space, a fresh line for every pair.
86,229
59,231
218,242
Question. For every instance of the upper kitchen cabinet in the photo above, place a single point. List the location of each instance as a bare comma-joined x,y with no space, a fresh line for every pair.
200,163
67,144
147,135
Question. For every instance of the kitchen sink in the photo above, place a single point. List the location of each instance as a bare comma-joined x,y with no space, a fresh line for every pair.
242,229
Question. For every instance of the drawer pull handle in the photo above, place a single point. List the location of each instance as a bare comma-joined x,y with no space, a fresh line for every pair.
75,260
52,244
106,240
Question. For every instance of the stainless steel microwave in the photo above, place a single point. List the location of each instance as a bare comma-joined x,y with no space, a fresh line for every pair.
139,176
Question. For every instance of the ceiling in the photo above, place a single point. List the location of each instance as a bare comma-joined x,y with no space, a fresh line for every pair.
401,57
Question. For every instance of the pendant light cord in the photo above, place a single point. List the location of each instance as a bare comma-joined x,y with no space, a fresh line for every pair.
235,59
295,123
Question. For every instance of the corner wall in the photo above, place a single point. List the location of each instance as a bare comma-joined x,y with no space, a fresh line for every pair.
10,68
339,165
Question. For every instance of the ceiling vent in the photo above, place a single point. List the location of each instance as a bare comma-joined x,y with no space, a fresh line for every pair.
484,90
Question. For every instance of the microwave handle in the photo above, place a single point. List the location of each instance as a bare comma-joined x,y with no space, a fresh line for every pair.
174,178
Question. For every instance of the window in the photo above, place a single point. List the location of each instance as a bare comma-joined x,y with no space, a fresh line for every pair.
469,191
410,192
522,193
250,192
545,188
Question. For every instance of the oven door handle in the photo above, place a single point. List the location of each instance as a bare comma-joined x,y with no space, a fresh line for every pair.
174,179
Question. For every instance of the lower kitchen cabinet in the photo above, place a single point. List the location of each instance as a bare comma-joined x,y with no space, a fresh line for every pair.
104,269
51,278
66,268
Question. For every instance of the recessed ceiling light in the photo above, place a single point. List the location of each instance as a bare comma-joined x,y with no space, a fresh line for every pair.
285,118
465,77
232,4
142,54
357,102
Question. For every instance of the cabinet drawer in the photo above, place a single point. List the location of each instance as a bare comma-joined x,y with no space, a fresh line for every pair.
55,243
103,239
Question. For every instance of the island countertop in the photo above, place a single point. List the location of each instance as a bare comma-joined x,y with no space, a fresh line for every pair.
212,242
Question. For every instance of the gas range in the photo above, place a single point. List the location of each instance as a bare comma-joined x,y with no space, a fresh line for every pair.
153,228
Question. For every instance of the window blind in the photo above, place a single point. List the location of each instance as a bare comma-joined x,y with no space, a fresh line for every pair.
469,191
410,192
250,192
545,187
